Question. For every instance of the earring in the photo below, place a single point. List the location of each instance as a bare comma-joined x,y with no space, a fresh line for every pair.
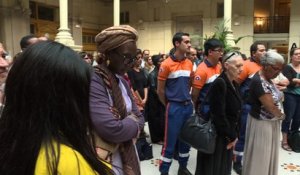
107,62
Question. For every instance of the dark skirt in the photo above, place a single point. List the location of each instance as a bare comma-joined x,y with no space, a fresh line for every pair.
218,163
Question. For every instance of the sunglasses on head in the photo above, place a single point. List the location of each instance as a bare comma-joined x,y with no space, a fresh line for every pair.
231,55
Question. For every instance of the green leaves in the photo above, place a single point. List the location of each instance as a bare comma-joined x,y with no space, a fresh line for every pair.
221,32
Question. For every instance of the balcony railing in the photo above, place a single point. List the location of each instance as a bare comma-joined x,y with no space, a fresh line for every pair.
272,24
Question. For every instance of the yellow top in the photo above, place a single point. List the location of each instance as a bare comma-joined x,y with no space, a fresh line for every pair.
70,162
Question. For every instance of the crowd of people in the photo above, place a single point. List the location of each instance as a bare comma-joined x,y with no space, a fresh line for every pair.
64,112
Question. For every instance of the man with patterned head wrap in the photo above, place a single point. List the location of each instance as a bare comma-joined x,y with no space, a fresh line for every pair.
115,116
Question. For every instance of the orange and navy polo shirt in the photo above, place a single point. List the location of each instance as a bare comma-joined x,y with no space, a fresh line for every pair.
177,75
204,76
250,67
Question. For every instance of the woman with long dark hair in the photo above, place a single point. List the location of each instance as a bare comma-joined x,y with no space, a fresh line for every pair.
138,80
45,126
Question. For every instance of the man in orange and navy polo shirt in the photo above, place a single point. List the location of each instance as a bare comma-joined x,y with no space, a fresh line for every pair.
207,71
250,67
174,82
205,74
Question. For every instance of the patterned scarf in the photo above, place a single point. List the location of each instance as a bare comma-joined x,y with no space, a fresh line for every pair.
127,149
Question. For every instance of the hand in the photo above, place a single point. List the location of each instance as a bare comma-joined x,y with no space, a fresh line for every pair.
280,117
134,140
103,154
133,117
231,144
143,102
296,81
281,87
115,112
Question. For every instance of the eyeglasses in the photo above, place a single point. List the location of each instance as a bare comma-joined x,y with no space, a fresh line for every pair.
127,59
296,54
276,68
231,55
219,50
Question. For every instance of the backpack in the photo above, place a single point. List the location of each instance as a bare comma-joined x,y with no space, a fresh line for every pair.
294,141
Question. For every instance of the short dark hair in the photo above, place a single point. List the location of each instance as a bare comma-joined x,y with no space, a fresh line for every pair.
253,47
24,41
172,51
212,44
178,37
155,59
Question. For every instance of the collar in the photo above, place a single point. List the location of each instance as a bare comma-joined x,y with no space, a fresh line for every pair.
208,64
253,60
174,58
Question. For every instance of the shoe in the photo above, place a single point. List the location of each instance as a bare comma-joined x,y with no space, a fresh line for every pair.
183,171
237,167
285,146
164,174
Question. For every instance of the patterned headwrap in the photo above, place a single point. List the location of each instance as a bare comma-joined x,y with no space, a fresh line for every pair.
113,37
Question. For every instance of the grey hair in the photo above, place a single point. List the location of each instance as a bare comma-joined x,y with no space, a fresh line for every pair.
271,57
230,55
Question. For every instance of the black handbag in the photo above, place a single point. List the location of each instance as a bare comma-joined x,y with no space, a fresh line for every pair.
199,134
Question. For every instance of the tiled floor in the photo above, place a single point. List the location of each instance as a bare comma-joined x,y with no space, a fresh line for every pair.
289,163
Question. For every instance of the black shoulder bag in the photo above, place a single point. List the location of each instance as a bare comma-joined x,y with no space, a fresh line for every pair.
199,133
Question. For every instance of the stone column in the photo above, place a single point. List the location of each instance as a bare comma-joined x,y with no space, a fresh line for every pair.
227,18
116,12
64,36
